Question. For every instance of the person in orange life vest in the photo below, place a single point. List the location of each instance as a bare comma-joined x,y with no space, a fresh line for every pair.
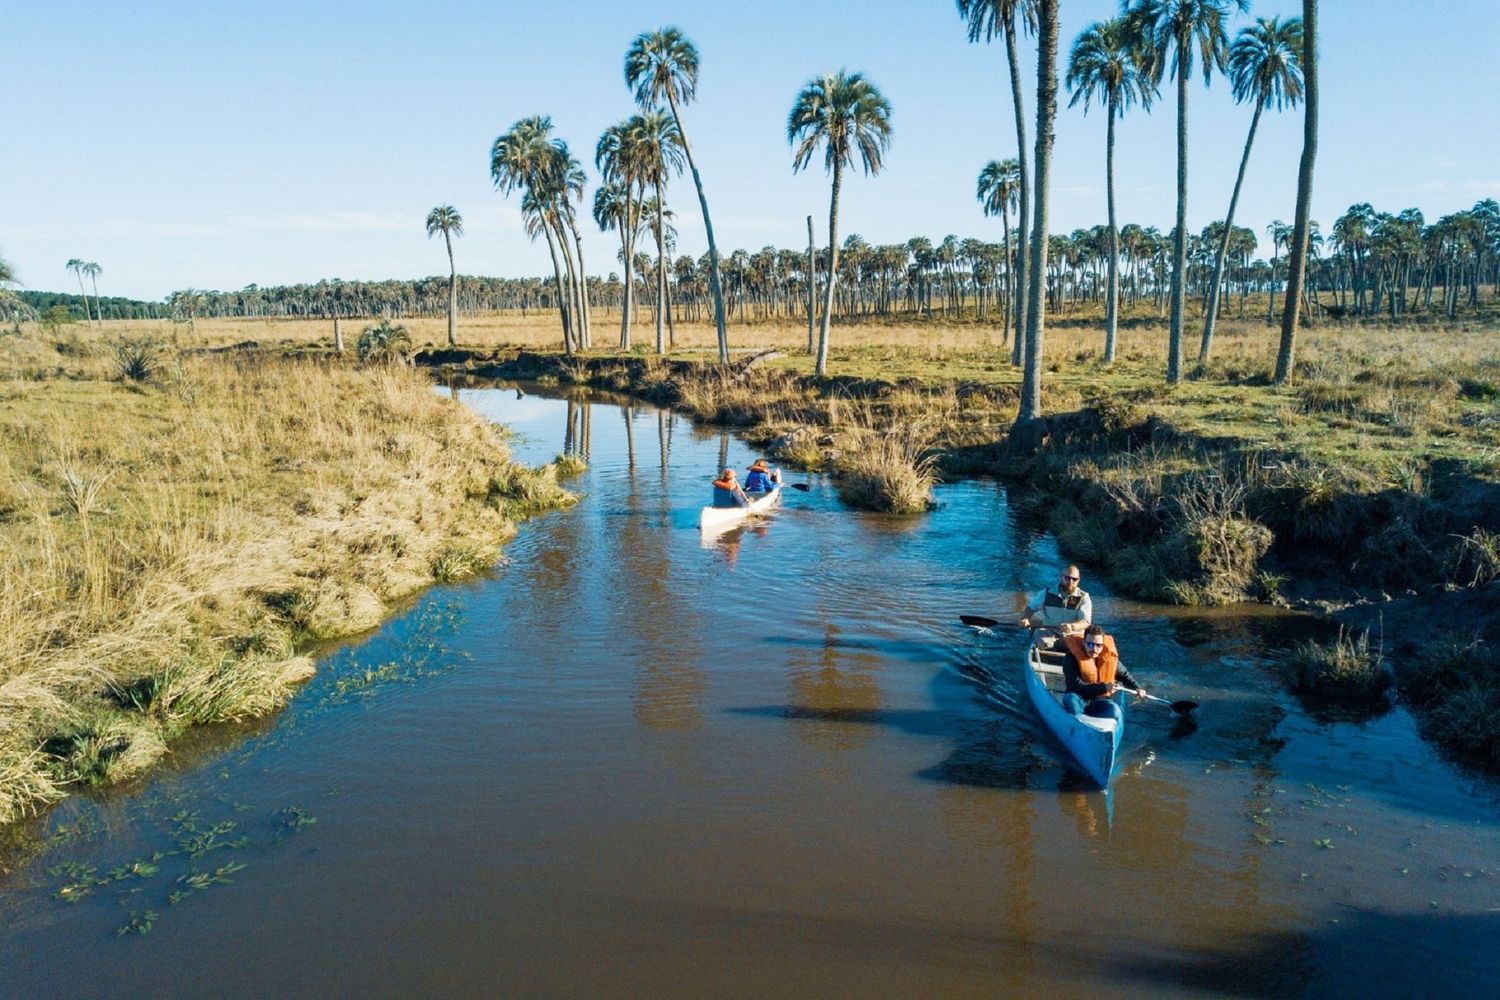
727,492
1093,672
759,479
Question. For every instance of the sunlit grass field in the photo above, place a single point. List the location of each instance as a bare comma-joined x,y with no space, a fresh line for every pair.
1372,396
174,527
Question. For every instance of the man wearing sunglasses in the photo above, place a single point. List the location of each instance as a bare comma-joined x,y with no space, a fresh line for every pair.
1094,673
1066,610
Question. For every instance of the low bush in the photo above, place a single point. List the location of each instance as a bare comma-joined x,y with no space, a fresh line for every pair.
1345,669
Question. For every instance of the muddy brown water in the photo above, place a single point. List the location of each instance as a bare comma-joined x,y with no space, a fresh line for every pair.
630,762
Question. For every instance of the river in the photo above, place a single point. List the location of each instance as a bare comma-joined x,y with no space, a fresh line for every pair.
629,762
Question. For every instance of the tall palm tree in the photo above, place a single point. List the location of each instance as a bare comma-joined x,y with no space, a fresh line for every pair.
1264,67
93,271
79,268
1046,122
1107,64
656,142
845,113
998,188
664,64
446,220
621,162
528,159
986,19
1297,257
1183,30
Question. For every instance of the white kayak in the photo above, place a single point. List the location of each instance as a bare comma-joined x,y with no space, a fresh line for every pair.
723,518
1092,743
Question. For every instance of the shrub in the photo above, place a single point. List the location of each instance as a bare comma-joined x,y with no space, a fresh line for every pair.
1345,669
459,562
383,342
889,472
136,360
1476,559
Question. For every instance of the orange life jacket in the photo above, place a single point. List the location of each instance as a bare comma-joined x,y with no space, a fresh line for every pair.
727,484
1096,669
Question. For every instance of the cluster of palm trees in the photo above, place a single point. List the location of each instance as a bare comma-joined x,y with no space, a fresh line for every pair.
82,269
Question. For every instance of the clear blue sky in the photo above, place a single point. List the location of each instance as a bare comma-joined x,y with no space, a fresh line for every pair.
214,145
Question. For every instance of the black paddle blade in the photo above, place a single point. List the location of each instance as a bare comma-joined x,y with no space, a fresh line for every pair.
1184,707
978,621
800,487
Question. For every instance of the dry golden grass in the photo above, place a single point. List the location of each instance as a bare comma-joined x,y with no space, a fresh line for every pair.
166,545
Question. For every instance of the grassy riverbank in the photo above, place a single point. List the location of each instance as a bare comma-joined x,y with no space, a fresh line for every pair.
174,528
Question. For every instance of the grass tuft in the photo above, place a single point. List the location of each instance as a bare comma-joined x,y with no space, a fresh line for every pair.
1347,668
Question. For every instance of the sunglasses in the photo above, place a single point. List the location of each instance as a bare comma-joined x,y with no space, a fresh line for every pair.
1071,578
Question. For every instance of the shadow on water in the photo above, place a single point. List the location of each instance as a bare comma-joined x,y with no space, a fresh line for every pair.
1373,953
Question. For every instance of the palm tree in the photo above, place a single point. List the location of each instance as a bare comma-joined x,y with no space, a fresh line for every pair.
999,186
844,112
986,19
664,64
620,159
528,159
1046,121
656,141
93,271
7,273
383,342
79,268
446,220
1264,67
1107,64
1183,29
1297,258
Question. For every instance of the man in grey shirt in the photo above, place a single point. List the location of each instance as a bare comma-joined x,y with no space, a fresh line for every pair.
1065,610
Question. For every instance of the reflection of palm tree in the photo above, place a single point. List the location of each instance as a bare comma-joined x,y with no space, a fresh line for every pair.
1264,67
841,112
838,690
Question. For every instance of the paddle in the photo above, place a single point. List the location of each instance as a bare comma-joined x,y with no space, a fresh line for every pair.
1180,707
799,487
979,621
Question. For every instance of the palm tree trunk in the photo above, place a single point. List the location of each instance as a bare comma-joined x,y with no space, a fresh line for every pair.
1179,241
1023,288
1297,261
452,293
562,298
1010,277
812,287
84,294
627,228
661,277
338,334
575,303
1212,313
1046,120
583,291
1112,302
833,266
714,284
98,308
